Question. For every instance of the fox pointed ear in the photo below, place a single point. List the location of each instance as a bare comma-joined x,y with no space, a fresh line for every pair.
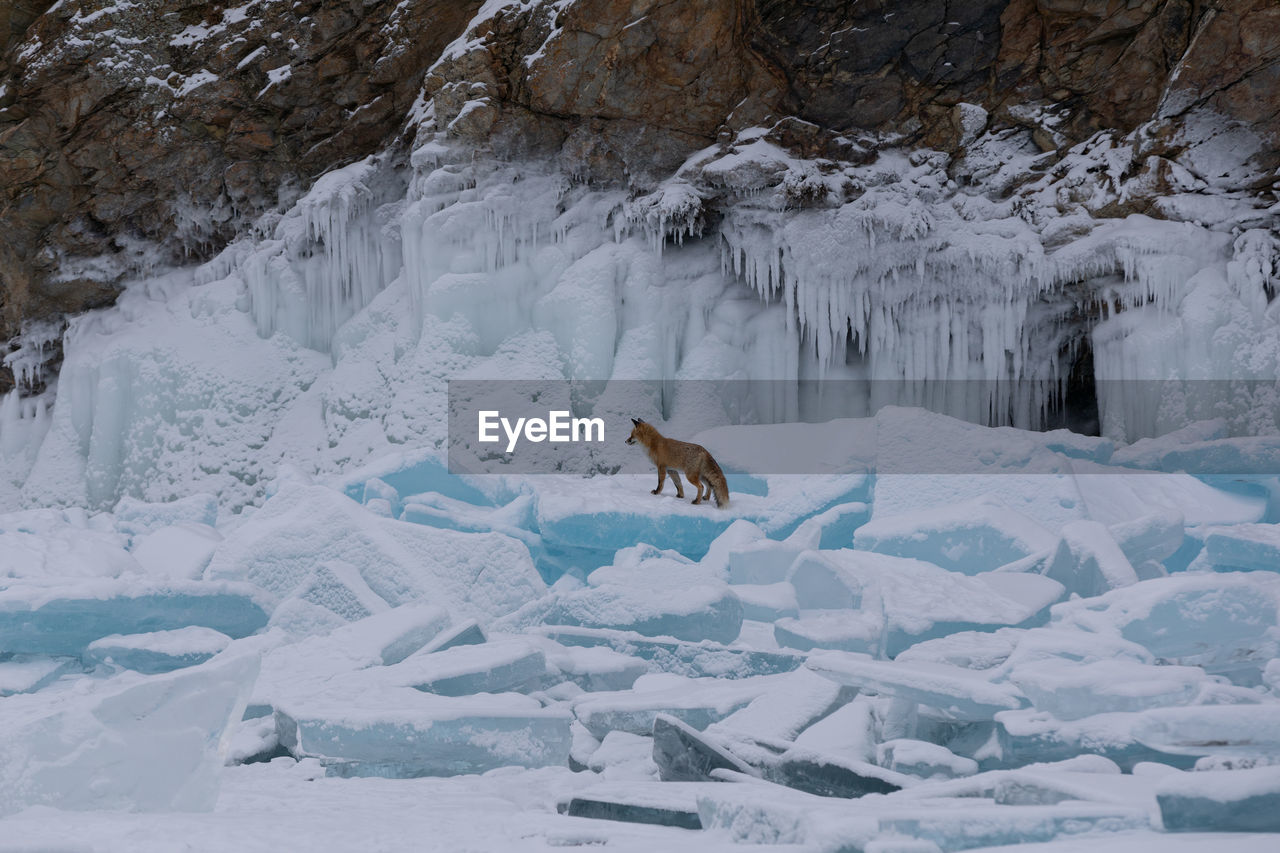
636,421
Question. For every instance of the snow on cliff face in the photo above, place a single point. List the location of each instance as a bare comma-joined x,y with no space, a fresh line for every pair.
330,336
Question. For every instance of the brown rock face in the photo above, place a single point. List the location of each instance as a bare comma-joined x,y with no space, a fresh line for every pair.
169,123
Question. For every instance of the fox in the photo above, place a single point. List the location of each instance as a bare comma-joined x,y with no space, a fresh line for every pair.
673,456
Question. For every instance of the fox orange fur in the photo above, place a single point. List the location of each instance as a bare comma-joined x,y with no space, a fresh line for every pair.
673,456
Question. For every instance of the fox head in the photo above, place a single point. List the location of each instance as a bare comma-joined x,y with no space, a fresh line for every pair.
639,431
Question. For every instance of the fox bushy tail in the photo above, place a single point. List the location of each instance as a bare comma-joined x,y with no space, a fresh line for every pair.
719,485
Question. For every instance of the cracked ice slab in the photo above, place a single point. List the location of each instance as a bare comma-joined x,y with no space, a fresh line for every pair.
363,726
1223,800
681,658
957,692
695,702
159,651
132,742
57,620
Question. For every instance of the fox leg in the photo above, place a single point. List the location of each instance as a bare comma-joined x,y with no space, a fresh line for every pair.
675,478
662,478
697,484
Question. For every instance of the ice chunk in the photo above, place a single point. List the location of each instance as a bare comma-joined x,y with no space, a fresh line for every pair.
1244,546
917,600
688,659
767,602
480,575
1036,736
132,742
833,776
969,649
708,611
1156,536
39,544
136,517
397,633
179,551
160,651
960,694
595,667
764,562
1237,730
337,586
800,699
837,526
1226,623
672,804
466,633
29,673
697,702
970,537
923,759
462,670
848,732
622,755
1221,801
57,620
1071,690
363,727
684,755
1088,561
843,630
1112,497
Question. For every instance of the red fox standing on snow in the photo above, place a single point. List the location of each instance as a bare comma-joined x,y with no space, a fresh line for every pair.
692,459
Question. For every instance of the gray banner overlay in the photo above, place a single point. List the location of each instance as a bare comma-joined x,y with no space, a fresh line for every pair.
835,426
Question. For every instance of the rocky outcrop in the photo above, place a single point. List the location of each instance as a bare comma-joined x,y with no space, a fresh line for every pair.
134,126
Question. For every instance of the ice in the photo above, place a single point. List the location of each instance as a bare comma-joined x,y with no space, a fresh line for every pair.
970,537
766,561
465,633
767,602
1088,561
957,693
1113,497
683,755
800,699
482,575
707,611
915,600
1244,546
666,805
60,620
833,776
1036,736
1225,623
1071,690
136,517
595,667
485,668
132,742
697,702
923,759
1150,538
837,525
61,544
844,630
622,755
160,651
181,551
1223,801
365,727
29,673
849,732
1245,730
689,659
